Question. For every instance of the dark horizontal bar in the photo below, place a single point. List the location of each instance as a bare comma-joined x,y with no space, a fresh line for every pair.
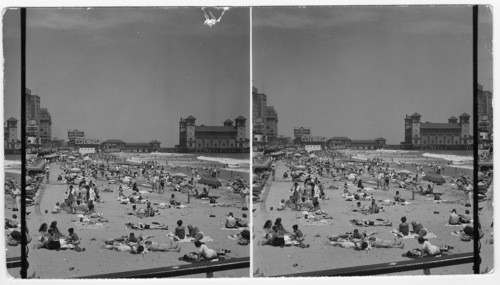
393,267
180,270
13,262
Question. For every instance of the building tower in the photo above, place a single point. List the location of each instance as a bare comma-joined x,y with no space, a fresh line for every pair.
190,130
240,127
182,133
415,128
464,123
12,130
228,123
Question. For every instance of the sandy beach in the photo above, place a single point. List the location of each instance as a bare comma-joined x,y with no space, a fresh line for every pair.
97,260
270,261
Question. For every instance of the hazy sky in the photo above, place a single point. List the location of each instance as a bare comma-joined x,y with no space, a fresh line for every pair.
132,73
356,71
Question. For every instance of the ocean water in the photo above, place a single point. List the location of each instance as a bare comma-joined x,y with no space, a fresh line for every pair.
12,164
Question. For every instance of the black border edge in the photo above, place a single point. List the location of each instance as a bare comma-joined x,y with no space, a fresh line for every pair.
24,245
475,202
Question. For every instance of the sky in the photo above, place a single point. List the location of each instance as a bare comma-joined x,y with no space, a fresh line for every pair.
357,71
131,73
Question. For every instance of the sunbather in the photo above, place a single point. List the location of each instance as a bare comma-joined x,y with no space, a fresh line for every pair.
154,246
367,223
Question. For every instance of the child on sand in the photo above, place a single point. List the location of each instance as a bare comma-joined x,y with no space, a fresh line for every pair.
298,236
57,209
281,205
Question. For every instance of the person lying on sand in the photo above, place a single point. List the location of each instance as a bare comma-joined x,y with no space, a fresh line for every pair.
135,248
357,245
367,223
380,243
142,226
207,253
163,247
354,236
429,249
173,201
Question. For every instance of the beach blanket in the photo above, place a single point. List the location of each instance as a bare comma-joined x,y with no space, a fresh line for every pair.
87,226
460,225
289,241
397,233
205,239
235,229
316,222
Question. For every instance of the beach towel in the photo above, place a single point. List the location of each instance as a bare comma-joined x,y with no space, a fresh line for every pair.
289,241
235,229
316,222
471,224
86,226
205,239
397,233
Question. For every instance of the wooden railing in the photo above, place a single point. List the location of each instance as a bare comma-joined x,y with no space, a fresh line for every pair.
180,270
424,264
13,262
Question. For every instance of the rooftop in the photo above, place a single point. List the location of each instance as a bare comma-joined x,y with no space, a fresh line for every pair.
215,129
190,118
440,126
12,119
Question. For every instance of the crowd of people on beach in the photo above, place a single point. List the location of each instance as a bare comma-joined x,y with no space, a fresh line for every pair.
357,178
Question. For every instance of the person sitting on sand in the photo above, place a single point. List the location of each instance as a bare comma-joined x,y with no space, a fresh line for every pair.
57,209
357,235
466,218
404,228
268,228
194,232
281,205
150,212
74,240
180,231
51,242
242,222
162,247
13,223
367,223
374,209
419,229
230,221
429,190
298,236
173,202
279,226
360,184
346,189
55,230
43,230
204,194
454,218
397,198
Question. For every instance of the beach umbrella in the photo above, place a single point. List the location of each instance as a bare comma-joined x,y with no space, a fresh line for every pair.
297,154
71,157
86,158
210,181
74,170
435,178
312,155
404,171
179,175
300,167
